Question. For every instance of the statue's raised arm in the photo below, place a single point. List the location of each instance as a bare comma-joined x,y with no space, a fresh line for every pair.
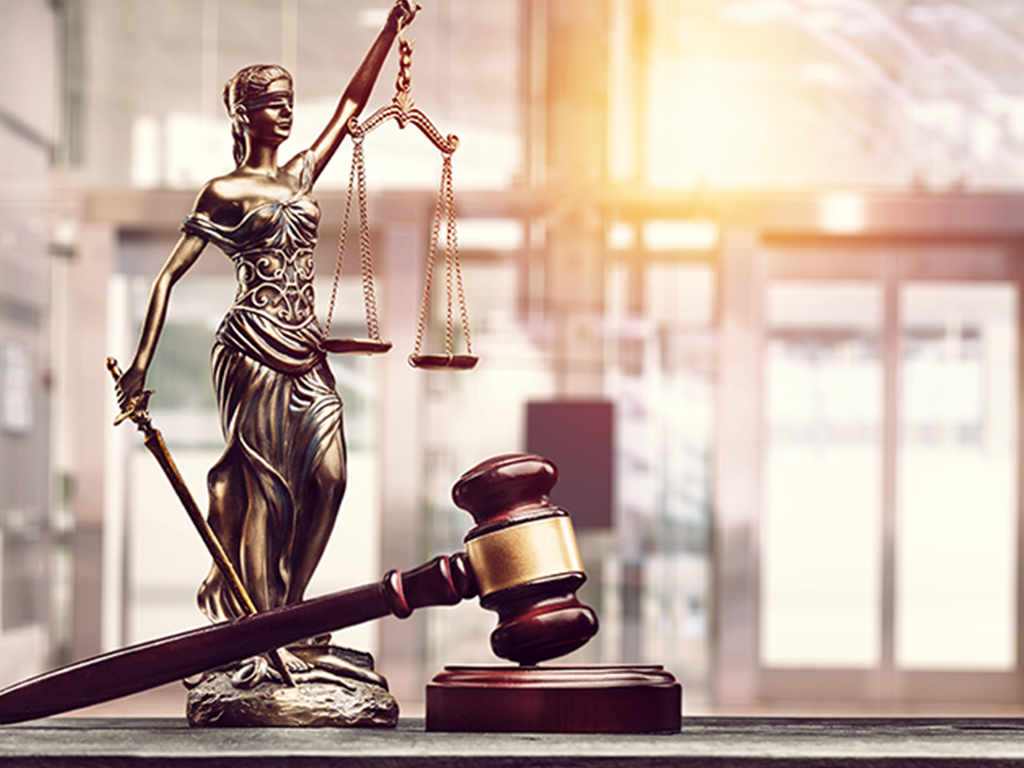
359,88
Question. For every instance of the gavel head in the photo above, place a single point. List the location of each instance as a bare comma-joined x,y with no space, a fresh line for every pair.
524,557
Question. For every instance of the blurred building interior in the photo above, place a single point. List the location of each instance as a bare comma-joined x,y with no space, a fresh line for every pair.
752,268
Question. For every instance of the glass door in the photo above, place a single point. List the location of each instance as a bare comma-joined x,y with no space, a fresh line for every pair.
889,526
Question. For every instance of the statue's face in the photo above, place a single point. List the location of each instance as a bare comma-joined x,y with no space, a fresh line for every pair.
272,120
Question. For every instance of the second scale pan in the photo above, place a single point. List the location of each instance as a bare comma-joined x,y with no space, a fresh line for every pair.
442,362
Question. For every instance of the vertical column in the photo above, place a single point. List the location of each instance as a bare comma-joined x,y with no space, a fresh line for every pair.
27,146
891,334
90,383
737,481
574,41
577,92
403,248
576,154
1017,273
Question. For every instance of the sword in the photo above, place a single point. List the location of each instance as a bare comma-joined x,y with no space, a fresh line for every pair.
443,581
137,410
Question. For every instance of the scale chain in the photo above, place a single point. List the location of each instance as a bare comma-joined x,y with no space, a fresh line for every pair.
421,324
365,257
453,243
341,243
356,181
449,223
453,273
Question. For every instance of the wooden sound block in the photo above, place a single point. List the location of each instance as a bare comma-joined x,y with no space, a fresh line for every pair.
555,699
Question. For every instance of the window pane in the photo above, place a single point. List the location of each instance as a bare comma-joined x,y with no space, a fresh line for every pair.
956,520
821,542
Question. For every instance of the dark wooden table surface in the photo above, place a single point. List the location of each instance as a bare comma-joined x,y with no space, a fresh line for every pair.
703,741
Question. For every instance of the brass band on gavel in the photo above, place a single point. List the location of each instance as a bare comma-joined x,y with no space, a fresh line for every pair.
522,553
524,558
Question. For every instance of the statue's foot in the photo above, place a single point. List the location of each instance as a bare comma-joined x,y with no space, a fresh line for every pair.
320,660
292,662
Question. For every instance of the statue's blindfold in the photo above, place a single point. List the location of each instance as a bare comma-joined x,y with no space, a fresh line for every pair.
268,98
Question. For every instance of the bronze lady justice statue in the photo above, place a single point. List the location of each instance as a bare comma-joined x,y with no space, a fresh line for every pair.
275,491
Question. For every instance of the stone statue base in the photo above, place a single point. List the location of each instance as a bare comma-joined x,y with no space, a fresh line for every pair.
335,688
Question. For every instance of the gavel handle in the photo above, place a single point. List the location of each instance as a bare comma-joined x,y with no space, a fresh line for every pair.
443,581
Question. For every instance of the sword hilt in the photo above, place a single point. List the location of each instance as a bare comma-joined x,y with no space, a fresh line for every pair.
137,407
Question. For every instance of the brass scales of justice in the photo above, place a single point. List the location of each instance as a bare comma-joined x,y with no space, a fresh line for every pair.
402,110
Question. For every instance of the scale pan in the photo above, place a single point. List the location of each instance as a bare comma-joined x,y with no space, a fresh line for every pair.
438,362
356,346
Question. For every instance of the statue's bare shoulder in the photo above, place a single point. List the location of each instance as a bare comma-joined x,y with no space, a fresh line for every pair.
224,200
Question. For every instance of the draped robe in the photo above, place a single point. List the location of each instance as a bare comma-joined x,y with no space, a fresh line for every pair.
276,489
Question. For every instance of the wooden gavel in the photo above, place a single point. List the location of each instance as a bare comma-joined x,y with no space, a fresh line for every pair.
521,558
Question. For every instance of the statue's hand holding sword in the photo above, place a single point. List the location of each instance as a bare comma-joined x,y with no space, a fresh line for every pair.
136,409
